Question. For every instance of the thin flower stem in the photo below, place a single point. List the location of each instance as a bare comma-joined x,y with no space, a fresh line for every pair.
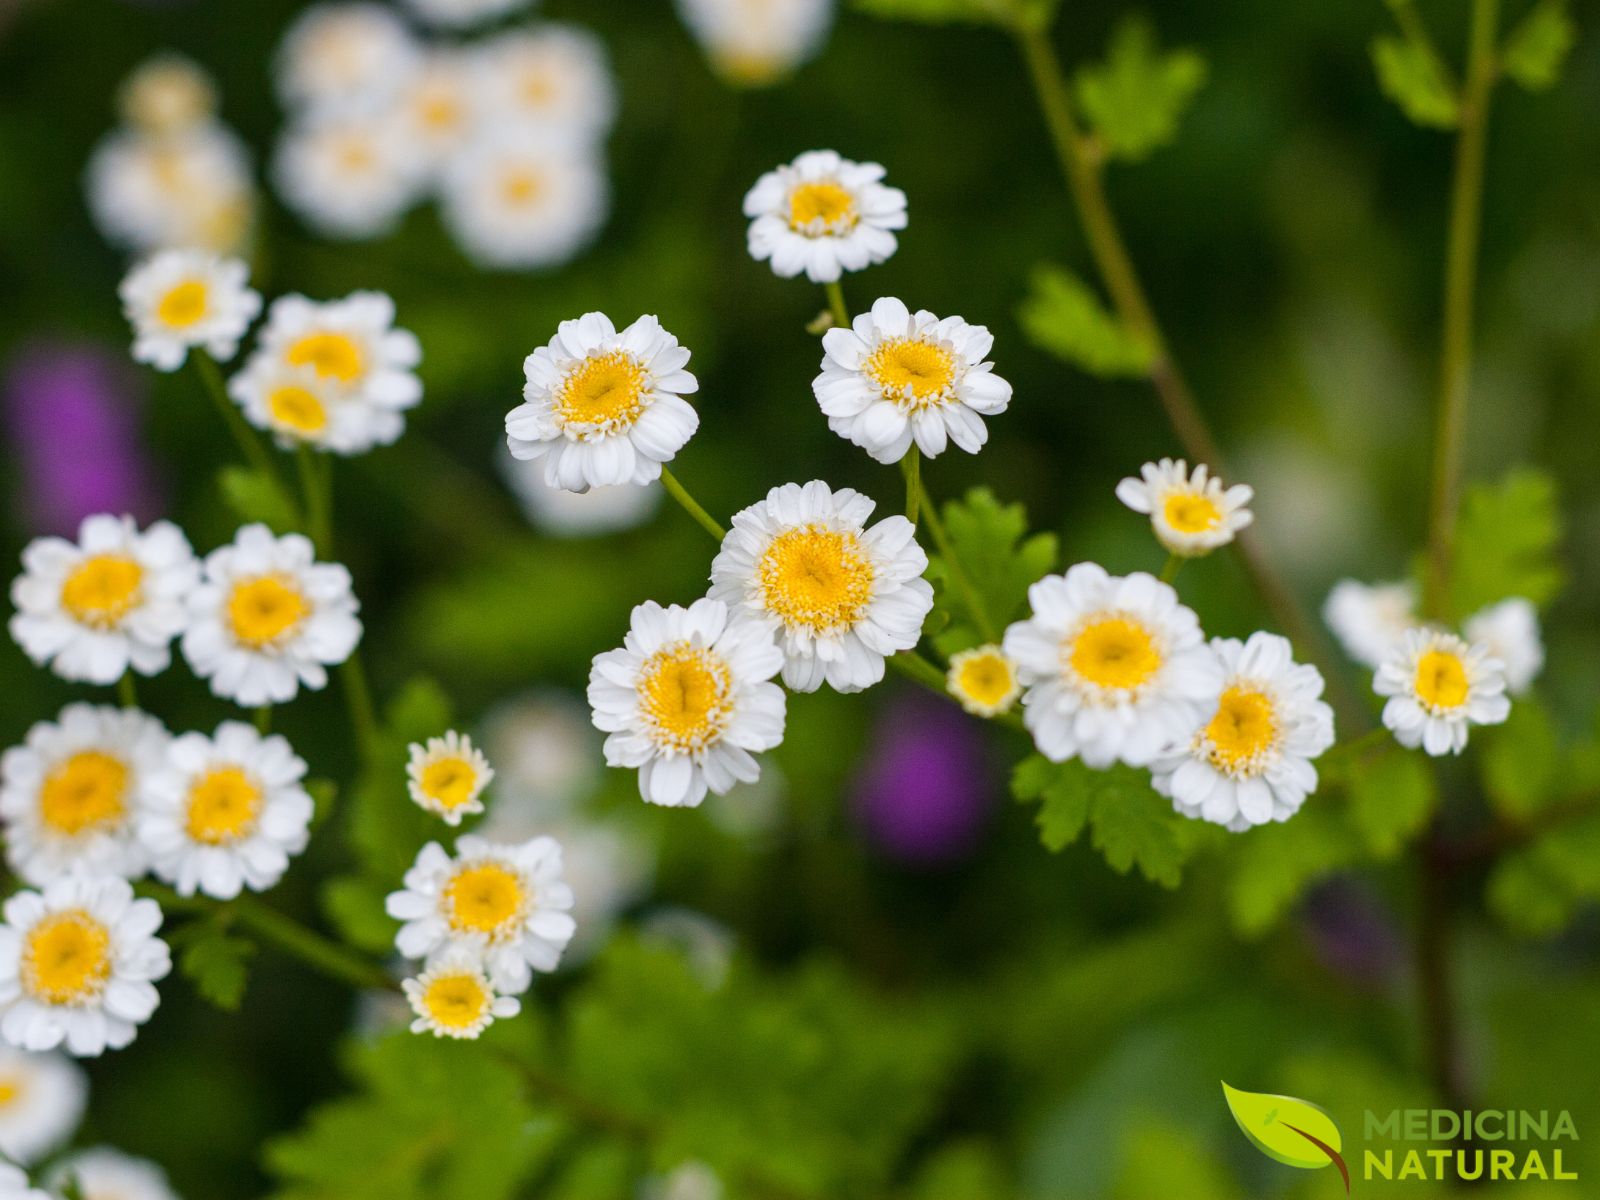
958,574
911,467
314,483
1170,569
358,700
263,719
836,305
249,444
691,506
127,690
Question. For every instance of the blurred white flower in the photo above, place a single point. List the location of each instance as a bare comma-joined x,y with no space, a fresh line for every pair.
348,56
692,1180
350,174
1191,513
42,1098
442,106
1510,630
755,43
180,299
557,512
455,998
823,215
520,201
1370,619
552,79
189,188
460,14
549,759
14,1185
102,1173
167,93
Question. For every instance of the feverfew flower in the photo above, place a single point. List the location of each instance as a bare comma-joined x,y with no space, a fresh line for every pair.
72,793
687,700
602,407
455,998
182,298
79,965
1510,631
507,903
459,14
552,80
226,812
1117,670
515,201
896,378
754,43
42,1098
842,597
268,618
1251,763
447,776
441,104
1370,619
984,680
556,512
14,1185
297,405
166,94
190,188
102,1173
823,215
109,604
345,56
1191,514
350,174
1438,686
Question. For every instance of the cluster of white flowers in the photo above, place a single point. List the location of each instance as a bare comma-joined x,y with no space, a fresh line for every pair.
757,43
171,176
507,131
98,1173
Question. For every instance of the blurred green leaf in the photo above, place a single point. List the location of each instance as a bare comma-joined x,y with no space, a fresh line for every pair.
1537,889
1522,760
1063,316
1409,74
1135,99
1506,540
1536,49
1277,863
254,495
355,906
1391,799
217,963
1162,1159
1028,14
323,793
998,560
962,1171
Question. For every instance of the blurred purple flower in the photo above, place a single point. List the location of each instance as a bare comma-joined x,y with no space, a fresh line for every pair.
1352,933
71,419
923,793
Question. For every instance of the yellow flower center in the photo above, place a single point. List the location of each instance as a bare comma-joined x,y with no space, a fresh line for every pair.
263,610
1114,652
456,1001
538,88
816,577
85,793
521,187
1442,680
821,207
184,305
915,372
603,393
297,410
439,111
1190,512
102,589
685,694
449,781
66,958
332,355
1244,728
11,1090
986,679
223,806
485,898
355,155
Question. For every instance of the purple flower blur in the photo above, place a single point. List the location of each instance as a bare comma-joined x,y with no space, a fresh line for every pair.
71,418
923,794
1352,932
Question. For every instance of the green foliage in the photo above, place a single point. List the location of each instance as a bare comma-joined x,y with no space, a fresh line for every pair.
1410,74
1021,14
1135,99
1522,761
217,963
1162,1159
1391,799
1537,889
1275,864
1506,541
1063,316
254,495
962,1171
1537,47
998,561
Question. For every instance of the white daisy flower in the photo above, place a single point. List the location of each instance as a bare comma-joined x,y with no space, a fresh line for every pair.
687,700
556,512
1438,686
79,964
984,680
187,189
553,79
42,1098
167,93
461,14
72,793
755,43
823,215
842,597
447,776
1510,631
515,201
101,1173
896,378
181,298
455,998
14,1185
602,407
296,404
508,903
1191,513
109,604
547,755
1370,619
1116,669
350,174
1252,761
267,618
442,105
347,56
226,812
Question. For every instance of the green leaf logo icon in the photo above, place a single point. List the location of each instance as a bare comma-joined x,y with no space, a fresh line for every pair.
1288,1130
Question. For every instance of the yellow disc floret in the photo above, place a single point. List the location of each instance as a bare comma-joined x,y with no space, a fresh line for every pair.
822,208
685,694
224,805
184,305
984,680
450,782
66,958
297,410
102,589
266,609
1441,680
602,394
485,898
1191,512
1244,729
816,578
332,355
1114,652
912,371
457,1001
85,793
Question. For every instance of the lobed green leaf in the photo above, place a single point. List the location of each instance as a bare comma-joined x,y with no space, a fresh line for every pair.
1537,47
1136,98
1409,74
1062,316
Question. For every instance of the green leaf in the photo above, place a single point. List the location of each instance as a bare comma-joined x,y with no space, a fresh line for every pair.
254,495
1025,14
1135,99
1275,864
1282,1127
1062,316
323,793
355,906
1537,889
217,963
1391,800
1505,544
1409,74
386,827
1535,51
1522,760
998,561
1063,805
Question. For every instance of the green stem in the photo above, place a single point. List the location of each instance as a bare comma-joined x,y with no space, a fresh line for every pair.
958,575
691,506
836,305
249,444
314,483
911,468
127,690
1170,569
358,700
308,946
263,719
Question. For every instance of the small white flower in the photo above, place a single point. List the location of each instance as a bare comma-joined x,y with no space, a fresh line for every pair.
181,298
187,189
111,603
350,174
553,79
167,93
1252,761
842,597
508,903
602,407
346,56
687,700
1191,514
455,998
516,201
102,1173
755,43
548,756
984,680
1370,619
1438,686
296,404
268,618
42,1098
556,512
692,1180
1117,670
461,14
14,1185
823,215
72,793
442,105
897,377
447,776
226,812
79,964
1510,631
